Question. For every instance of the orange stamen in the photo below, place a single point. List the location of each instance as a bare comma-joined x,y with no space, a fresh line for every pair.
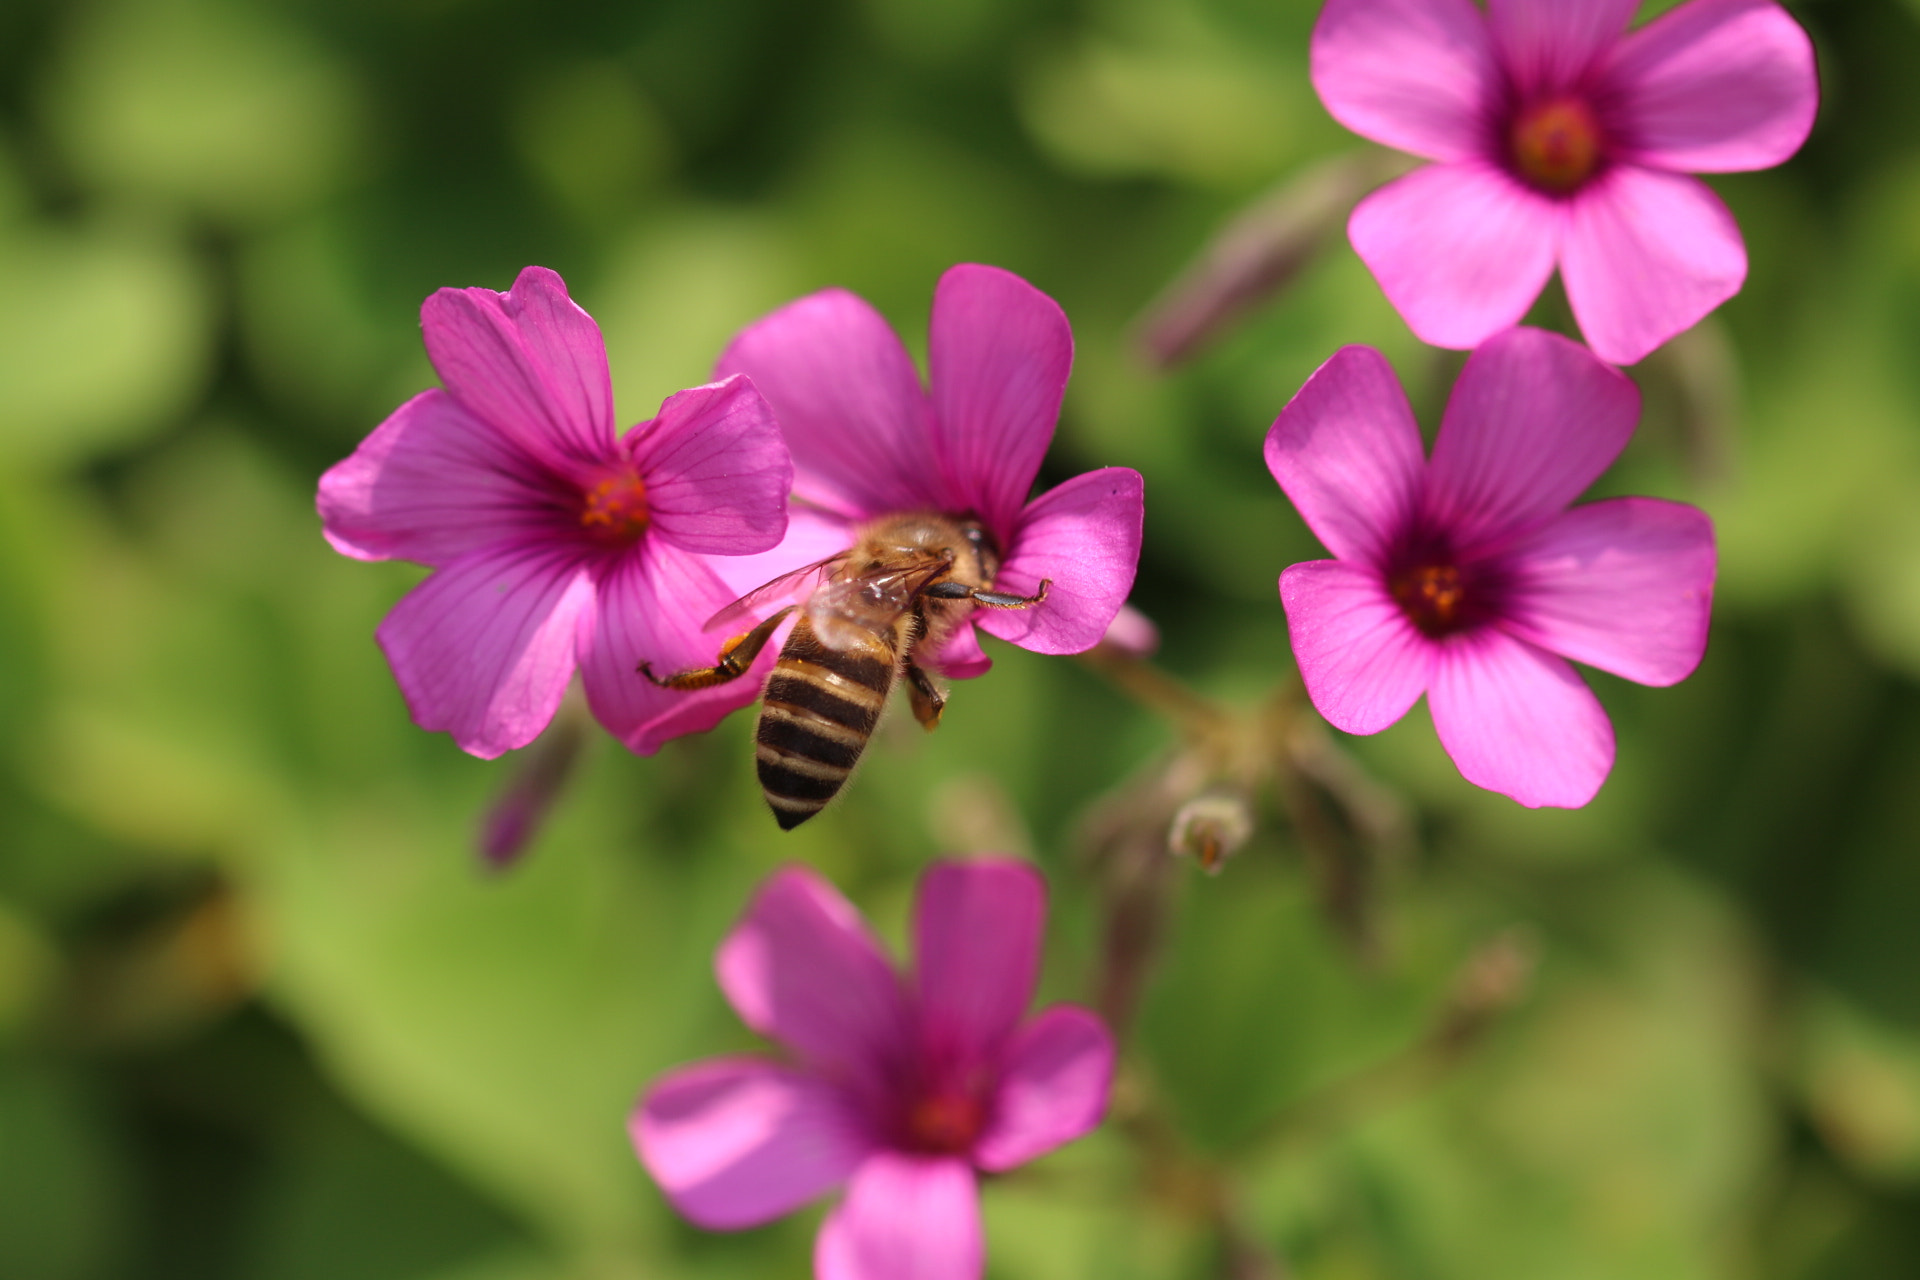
945,1122
615,510
1431,596
1557,144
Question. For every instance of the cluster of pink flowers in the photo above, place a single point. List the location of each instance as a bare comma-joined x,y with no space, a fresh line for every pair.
558,546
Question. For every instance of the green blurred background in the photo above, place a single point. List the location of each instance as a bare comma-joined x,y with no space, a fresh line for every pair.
262,1015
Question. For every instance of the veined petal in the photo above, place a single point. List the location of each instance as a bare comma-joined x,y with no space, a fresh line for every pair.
1517,720
998,355
812,535
977,930
529,361
483,649
1414,75
1548,45
1347,454
1054,1082
1533,420
653,602
803,969
848,401
736,1142
1364,664
1646,255
904,1218
961,657
1624,585
1716,86
1084,538
1461,249
430,484
716,470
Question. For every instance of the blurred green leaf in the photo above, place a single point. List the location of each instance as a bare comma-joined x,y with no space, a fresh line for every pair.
61,1195
104,340
222,106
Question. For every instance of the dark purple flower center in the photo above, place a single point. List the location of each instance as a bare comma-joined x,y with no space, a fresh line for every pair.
1431,595
944,1121
1441,591
614,510
1557,143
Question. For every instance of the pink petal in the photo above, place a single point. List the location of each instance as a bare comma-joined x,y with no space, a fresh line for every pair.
977,930
1133,633
1461,250
737,1142
848,400
998,355
1517,720
1363,663
1083,537
1624,585
1414,75
803,969
716,470
430,484
529,362
483,649
812,535
1716,86
1646,255
652,605
1550,45
1533,420
1054,1083
961,657
904,1218
1347,453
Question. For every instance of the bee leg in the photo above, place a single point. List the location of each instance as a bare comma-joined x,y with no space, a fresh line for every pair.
927,701
951,590
736,655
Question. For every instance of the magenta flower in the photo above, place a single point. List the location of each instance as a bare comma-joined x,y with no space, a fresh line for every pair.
900,1089
554,543
1464,576
868,442
1562,138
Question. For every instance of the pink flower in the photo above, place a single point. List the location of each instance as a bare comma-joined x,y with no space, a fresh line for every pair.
1561,138
868,442
900,1089
554,543
1462,577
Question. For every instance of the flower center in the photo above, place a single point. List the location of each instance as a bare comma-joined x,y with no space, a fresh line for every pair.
945,1122
615,510
1557,144
1432,596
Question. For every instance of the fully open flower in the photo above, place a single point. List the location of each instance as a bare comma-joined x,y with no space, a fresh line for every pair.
868,442
1464,576
898,1089
1562,138
555,544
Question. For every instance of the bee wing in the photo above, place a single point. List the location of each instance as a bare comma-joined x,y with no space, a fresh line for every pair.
787,586
849,609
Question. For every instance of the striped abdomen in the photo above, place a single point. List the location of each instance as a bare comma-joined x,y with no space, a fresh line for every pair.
820,708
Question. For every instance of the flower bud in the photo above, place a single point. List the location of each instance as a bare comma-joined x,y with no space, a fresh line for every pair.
1211,828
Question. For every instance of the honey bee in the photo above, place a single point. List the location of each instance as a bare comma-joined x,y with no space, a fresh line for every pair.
906,584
